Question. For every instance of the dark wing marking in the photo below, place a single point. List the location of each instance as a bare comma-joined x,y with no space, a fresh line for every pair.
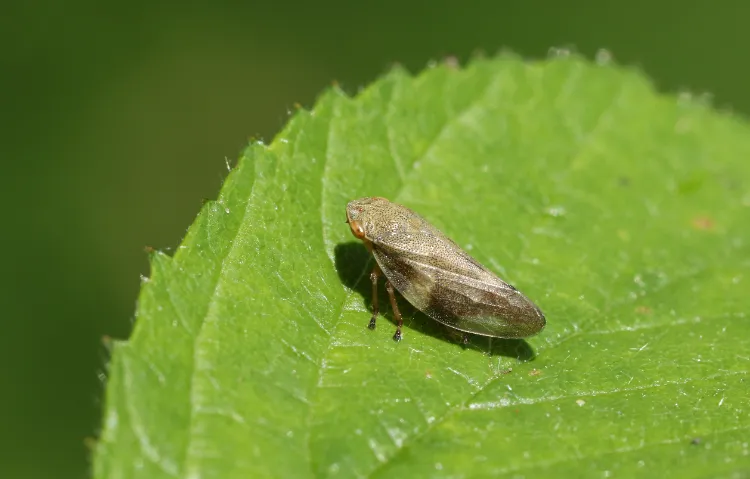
460,294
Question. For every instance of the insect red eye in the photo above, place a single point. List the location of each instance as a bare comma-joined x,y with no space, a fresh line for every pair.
357,229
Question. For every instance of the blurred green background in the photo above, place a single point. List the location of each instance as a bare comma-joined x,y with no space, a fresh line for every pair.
117,120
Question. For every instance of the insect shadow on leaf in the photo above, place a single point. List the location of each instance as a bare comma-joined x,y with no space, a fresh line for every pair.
353,264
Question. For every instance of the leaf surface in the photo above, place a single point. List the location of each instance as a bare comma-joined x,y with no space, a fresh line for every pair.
624,214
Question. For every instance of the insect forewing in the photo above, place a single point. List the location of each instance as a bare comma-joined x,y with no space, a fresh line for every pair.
439,278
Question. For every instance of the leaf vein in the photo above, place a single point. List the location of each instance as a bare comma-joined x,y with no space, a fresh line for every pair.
211,303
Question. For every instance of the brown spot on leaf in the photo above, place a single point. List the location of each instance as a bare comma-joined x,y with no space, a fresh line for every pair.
535,372
703,223
643,310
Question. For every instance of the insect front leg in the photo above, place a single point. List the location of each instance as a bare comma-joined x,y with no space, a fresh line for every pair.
374,278
396,312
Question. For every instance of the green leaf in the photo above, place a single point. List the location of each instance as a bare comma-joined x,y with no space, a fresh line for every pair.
624,214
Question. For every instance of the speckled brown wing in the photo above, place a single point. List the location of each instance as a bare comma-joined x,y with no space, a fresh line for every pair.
446,283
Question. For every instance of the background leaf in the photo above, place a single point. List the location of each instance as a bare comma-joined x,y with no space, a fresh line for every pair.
622,213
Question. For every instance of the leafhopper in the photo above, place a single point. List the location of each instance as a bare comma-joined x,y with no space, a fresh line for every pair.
436,276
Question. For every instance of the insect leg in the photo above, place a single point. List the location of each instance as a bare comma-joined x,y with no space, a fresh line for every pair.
396,312
374,278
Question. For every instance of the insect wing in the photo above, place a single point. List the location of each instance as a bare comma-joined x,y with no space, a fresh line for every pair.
446,283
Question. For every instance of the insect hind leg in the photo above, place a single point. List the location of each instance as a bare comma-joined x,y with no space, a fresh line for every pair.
396,312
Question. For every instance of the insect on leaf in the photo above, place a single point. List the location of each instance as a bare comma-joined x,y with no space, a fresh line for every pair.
622,213
436,275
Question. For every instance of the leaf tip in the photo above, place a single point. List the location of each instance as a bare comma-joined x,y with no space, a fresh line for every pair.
158,260
563,51
451,62
107,342
256,140
505,53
